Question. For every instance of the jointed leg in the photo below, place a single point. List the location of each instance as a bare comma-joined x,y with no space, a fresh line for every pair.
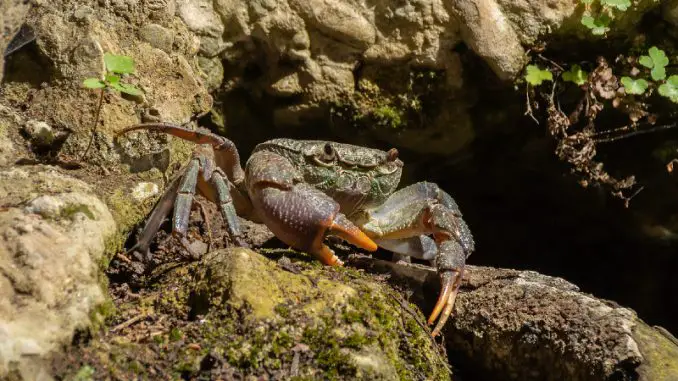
423,209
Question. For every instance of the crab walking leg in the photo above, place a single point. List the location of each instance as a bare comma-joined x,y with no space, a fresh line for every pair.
225,152
184,200
298,214
419,209
221,195
160,211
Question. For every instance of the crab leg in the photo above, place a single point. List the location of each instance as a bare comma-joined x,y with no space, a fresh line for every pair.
419,209
225,152
298,214
161,209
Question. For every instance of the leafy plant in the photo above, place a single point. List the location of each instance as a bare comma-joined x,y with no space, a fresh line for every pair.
598,25
576,75
634,86
670,88
534,75
116,67
656,61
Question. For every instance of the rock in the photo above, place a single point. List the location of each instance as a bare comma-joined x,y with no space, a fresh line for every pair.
238,314
521,325
144,190
51,251
157,36
40,133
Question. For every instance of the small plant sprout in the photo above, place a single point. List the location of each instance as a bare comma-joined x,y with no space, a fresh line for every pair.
656,61
634,86
598,25
116,67
534,75
576,75
670,88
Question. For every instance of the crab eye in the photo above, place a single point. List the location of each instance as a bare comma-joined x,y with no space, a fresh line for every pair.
392,154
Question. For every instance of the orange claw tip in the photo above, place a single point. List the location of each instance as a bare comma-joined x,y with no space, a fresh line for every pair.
448,283
347,231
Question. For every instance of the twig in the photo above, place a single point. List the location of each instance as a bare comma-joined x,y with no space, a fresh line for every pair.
527,104
96,122
633,133
129,322
551,62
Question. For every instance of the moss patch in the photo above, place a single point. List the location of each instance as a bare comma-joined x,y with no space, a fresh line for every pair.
394,99
238,314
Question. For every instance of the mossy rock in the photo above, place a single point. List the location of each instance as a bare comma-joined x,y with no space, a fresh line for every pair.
238,314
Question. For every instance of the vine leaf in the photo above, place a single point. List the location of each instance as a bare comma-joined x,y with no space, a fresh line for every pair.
576,75
670,89
634,86
535,75
656,61
598,25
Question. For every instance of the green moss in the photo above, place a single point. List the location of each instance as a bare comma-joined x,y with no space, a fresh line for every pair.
85,373
392,98
338,322
70,210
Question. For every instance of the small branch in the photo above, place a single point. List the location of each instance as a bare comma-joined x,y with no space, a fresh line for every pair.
96,122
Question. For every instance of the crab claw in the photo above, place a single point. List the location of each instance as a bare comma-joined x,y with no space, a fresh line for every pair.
450,288
450,261
346,230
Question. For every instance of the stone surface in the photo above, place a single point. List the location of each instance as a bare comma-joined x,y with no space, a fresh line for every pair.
310,56
52,236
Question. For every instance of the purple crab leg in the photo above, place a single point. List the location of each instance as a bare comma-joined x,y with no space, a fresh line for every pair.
161,209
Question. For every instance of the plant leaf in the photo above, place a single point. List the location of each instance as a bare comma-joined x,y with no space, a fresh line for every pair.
587,2
535,76
127,89
621,5
576,75
119,64
658,73
112,78
658,56
637,86
597,25
646,61
670,88
93,83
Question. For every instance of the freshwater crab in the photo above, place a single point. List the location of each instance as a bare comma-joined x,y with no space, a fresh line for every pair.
305,190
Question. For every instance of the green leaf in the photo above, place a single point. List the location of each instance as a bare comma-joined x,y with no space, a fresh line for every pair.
119,64
576,75
535,76
658,73
111,78
93,83
658,56
670,88
621,5
127,89
587,2
657,61
646,61
634,86
597,25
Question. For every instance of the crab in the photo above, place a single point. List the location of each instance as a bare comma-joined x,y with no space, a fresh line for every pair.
305,190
